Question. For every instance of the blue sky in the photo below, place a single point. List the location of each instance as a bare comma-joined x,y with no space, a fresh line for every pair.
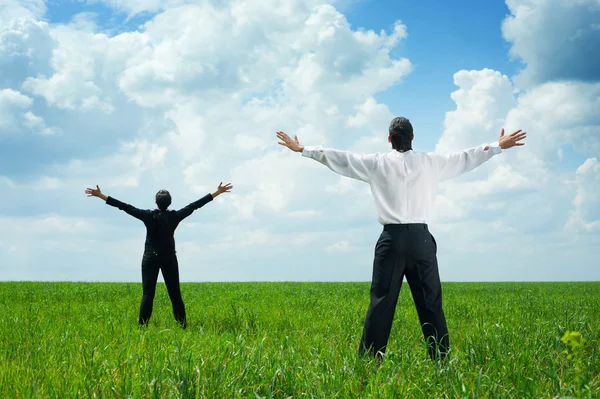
445,37
139,96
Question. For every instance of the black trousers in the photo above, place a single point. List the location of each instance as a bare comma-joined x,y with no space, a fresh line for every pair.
405,250
167,264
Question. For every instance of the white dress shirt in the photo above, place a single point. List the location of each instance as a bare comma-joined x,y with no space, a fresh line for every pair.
403,184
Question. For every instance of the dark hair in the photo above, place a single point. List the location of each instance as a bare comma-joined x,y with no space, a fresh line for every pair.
163,200
401,134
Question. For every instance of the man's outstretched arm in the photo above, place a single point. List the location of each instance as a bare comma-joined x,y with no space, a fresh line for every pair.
345,163
189,209
455,164
130,209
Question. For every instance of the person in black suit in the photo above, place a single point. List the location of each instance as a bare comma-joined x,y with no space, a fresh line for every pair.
159,249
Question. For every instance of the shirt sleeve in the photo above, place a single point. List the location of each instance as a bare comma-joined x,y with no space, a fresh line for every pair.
137,213
455,164
189,209
345,163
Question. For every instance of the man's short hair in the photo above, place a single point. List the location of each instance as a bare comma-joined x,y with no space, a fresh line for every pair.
163,200
401,125
401,133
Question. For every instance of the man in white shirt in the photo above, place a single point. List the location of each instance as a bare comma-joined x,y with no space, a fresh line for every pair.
404,186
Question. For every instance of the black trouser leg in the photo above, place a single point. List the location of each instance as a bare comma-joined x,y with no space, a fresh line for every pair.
424,280
388,272
170,272
149,276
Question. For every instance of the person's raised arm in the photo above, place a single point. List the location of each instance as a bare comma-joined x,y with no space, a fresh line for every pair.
131,210
189,209
345,163
455,164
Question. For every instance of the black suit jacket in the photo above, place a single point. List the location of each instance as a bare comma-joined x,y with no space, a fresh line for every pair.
160,225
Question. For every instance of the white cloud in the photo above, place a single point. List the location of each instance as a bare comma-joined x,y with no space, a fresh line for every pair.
183,70
189,134
10,97
25,47
195,96
482,100
520,197
72,85
169,66
398,34
246,11
268,182
585,216
146,155
11,10
372,115
84,21
11,102
557,39
16,118
315,54
196,176
37,124
559,114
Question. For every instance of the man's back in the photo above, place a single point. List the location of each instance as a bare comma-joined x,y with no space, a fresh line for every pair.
404,184
160,231
160,225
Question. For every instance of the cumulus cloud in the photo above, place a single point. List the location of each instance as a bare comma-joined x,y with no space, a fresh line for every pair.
524,196
195,95
529,201
556,39
11,102
585,216
16,116
21,9
36,124
482,100
74,83
192,98
562,114
555,115
25,47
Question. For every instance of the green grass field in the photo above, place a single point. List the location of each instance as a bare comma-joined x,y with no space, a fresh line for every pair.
300,340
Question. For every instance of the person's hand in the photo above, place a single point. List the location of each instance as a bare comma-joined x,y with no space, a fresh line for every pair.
292,144
95,192
222,189
512,140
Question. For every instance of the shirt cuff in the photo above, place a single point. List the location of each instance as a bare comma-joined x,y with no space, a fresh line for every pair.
495,148
309,151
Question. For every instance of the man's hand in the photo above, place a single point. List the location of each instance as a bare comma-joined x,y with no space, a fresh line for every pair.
95,192
512,139
292,144
222,189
